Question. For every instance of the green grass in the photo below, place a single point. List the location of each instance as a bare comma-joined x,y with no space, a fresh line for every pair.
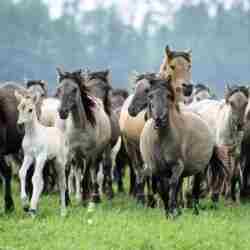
123,225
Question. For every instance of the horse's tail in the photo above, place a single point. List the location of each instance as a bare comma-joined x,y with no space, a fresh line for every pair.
217,174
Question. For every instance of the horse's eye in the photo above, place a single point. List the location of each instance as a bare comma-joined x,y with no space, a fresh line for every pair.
30,110
150,96
172,67
232,104
146,91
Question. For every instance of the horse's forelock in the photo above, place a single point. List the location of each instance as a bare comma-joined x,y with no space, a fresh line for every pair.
235,89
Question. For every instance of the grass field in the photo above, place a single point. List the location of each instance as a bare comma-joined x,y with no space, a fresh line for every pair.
123,225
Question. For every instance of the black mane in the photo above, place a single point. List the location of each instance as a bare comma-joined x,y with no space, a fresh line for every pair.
87,101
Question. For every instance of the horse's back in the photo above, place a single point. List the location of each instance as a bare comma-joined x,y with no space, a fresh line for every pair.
130,126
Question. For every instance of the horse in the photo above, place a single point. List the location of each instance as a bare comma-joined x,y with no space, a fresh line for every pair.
200,92
48,116
244,154
40,144
99,85
175,63
226,120
87,127
10,136
175,144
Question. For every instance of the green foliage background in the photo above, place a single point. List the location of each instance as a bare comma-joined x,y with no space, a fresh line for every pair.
32,45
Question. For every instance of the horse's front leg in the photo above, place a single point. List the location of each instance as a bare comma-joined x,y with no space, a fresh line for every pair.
95,187
60,168
140,185
28,160
5,172
37,181
177,170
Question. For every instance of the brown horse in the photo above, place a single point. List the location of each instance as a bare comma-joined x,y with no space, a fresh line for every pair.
87,130
178,64
11,135
175,144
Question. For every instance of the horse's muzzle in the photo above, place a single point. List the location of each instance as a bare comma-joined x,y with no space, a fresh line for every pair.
63,113
160,123
187,89
132,111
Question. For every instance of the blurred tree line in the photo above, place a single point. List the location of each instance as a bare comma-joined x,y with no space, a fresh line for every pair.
32,44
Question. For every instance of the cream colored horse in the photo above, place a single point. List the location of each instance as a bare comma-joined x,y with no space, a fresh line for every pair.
225,119
40,144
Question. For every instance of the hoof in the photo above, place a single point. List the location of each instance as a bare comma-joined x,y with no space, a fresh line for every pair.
121,190
63,213
141,199
91,207
214,206
173,214
196,211
151,201
78,199
96,198
25,204
32,213
110,194
9,206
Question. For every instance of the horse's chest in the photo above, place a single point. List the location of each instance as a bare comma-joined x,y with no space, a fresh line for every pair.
165,154
33,146
81,140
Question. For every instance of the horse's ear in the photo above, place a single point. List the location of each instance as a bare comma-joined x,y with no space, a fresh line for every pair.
60,71
248,88
44,86
168,52
227,91
35,98
18,96
133,77
107,74
189,52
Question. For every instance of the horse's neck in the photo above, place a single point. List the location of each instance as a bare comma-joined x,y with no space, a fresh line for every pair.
225,131
32,127
78,115
171,133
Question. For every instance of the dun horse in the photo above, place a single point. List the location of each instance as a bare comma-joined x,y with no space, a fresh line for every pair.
175,144
87,125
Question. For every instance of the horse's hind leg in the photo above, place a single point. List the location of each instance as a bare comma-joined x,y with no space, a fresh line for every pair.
151,200
5,172
120,163
196,192
163,190
67,173
107,167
